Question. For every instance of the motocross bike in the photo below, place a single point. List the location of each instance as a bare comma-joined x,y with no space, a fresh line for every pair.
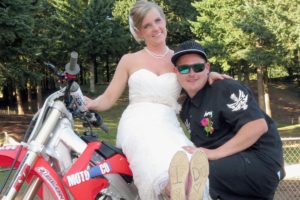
54,162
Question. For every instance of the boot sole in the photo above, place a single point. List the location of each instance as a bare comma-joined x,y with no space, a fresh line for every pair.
199,170
178,172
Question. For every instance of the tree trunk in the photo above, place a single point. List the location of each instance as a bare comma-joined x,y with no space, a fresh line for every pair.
107,69
246,80
92,77
29,97
39,96
267,100
19,102
82,76
260,88
239,68
266,91
10,91
96,73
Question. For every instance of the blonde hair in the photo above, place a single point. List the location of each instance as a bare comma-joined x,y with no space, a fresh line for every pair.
137,15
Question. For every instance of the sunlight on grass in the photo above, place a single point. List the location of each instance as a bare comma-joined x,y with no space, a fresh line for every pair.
289,127
290,131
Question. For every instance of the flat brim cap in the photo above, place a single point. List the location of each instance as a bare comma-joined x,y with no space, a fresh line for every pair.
188,47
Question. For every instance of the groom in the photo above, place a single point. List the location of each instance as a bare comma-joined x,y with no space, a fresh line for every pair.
240,141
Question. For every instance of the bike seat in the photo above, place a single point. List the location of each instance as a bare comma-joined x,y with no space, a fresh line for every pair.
108,150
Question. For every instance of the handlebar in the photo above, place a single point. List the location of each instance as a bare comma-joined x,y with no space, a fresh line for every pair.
91,118
73,90
54,69
71,69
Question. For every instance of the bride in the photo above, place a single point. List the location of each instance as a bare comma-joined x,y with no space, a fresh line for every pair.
149,132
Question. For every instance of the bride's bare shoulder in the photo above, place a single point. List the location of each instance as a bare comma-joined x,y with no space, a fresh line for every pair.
132,59
133,55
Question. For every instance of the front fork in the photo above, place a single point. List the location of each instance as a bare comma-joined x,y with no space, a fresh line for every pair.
34,149
33,188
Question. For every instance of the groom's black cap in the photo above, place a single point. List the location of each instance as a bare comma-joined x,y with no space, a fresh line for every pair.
187,48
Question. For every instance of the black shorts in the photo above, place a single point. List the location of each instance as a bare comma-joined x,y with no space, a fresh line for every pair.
243,176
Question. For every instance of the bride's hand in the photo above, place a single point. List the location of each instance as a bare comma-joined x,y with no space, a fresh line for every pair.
214,76
88,102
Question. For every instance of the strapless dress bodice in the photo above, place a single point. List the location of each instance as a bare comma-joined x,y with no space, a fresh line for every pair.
146,86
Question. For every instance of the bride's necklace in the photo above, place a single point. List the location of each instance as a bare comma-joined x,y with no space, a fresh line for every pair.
154,55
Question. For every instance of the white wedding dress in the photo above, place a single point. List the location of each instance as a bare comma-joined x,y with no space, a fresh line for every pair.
149,132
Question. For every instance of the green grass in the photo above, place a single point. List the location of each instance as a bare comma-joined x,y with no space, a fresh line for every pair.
3,175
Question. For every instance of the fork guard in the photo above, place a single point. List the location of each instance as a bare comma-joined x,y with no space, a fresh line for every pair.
41,169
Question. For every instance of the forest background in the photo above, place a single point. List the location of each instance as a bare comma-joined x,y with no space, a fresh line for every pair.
256,42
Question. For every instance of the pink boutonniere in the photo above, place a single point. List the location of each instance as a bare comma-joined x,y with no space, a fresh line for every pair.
207,123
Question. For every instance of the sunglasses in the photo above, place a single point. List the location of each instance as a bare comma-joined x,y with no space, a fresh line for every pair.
185,69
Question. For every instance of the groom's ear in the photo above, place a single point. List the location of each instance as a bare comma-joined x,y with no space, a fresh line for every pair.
207,66
175,69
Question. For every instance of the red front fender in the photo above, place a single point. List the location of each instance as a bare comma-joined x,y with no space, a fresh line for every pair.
8,154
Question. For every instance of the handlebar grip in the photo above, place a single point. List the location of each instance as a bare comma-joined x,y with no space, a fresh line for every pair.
73,60
72,67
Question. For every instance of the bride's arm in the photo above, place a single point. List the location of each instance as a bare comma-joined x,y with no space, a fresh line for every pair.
113,91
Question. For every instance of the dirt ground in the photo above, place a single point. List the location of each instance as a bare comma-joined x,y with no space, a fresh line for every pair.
285,103
15,125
